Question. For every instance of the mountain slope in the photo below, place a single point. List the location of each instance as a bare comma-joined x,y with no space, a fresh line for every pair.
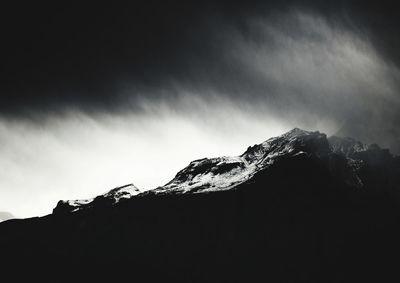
223,173
296,208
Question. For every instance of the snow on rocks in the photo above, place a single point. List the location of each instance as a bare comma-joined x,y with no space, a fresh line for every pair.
111,197
223,173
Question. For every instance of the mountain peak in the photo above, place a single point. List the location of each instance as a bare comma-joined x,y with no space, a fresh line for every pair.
121,192
223,173
297,132
109,198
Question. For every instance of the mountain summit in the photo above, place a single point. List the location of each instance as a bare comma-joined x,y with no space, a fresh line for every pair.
111,197
223,173
299,207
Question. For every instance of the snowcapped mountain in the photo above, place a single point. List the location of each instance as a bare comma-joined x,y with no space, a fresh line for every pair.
224,173
344,157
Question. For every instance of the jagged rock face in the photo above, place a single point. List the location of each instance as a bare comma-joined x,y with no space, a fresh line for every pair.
223,173
346,146
353,149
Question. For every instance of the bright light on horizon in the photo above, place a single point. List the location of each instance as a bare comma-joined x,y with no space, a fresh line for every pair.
79,156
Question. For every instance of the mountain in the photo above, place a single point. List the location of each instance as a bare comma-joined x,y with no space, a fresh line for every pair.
224,173
300,207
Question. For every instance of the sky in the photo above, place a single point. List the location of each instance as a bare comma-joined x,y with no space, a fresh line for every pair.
94,97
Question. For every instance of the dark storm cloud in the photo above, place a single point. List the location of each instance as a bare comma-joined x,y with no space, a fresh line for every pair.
65,55
272,55
78,55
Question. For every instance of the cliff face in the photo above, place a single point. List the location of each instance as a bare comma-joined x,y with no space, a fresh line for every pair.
296,208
